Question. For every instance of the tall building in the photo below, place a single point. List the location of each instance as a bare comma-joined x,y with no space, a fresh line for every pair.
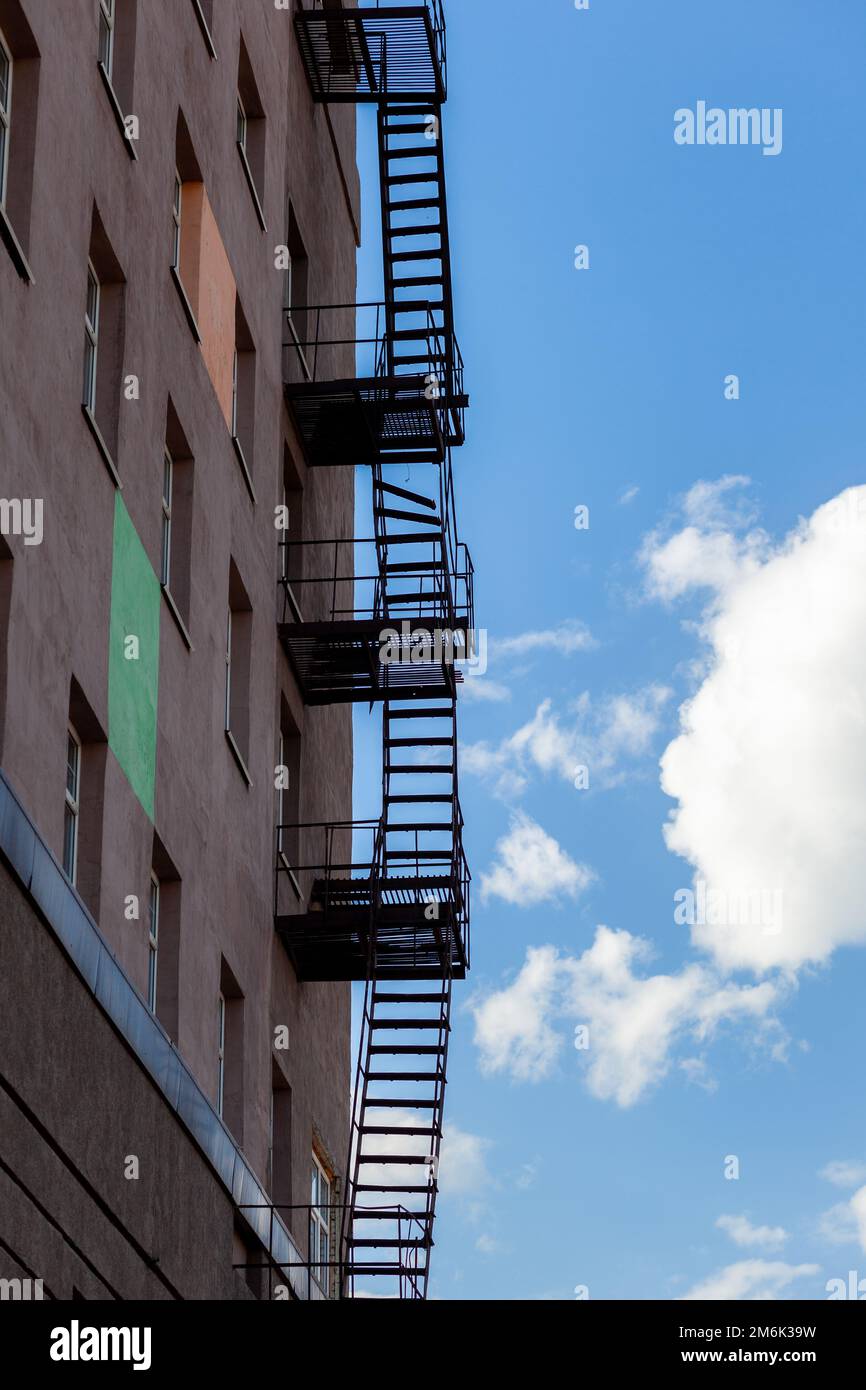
187,620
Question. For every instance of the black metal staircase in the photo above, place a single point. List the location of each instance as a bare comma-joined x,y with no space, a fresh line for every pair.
386,901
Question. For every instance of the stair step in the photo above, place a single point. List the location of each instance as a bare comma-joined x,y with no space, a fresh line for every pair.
361,1269
407,1049
419,713
394,491
425,254
418,128
413,1131
428,151
390,514
391,828
410,566
393,1158
428,357
410,1243
389,997
404,539
428,595
433,1076
412,335
426,769
403,1023
428,230
411,281
420,742
378,1104
413,204
428,176
407,1187
426,856
440,797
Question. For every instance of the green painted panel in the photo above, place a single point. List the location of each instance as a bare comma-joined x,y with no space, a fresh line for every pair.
133,665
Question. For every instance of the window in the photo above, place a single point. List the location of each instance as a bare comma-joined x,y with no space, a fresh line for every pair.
238,651
178,212
167,482
91,339
291,568
288,797
106,35
153,943
230,1053
104,341
73,805
243,404
242,126
300,350
84,799
221,1054
250,132
19,102
5,113
320,1225
280,1143
6,567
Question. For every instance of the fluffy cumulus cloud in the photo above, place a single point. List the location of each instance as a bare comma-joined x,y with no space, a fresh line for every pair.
530,867
632,1019
766,776
769,768
603,737
751,1279
844,1172
845,1223
742,1232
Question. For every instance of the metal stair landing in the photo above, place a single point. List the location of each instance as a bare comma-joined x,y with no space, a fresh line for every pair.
374,52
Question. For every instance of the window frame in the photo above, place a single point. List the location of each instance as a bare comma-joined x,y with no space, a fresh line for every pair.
242,129
72,806
6,118
320,1225
91,340
167,501
228,709
177,218
221,1053
107,21
153,941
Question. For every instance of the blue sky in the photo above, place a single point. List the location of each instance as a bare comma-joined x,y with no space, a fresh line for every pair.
585,386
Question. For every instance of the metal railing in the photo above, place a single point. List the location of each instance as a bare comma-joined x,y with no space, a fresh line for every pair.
326,1278
368,64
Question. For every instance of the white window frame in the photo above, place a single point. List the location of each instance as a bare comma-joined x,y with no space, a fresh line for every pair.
167,499
107,18
72,808
221,1053
153,942
320,1226
5,119
229,670
91,340
177,217
243,124
235,394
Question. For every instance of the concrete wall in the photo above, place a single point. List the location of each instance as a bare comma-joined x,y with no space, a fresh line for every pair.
216,828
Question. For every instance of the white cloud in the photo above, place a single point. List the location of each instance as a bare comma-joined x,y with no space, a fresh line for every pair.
742,1232
844,1172
634,1021
566,639
628,496
488,1245
598,736
750,1279
769,768
845,1223
531,867
481,690
462,1162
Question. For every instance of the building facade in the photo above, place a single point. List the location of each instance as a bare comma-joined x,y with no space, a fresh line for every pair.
174,1096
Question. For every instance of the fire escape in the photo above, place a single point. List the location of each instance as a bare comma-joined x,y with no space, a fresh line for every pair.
383,620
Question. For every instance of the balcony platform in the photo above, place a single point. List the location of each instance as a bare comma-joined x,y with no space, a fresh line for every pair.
332,945
367,421
340,663
391,52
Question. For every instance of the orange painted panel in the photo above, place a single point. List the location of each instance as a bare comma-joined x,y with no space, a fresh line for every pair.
211,289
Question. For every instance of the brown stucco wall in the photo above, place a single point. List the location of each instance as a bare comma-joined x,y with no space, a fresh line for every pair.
217,830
